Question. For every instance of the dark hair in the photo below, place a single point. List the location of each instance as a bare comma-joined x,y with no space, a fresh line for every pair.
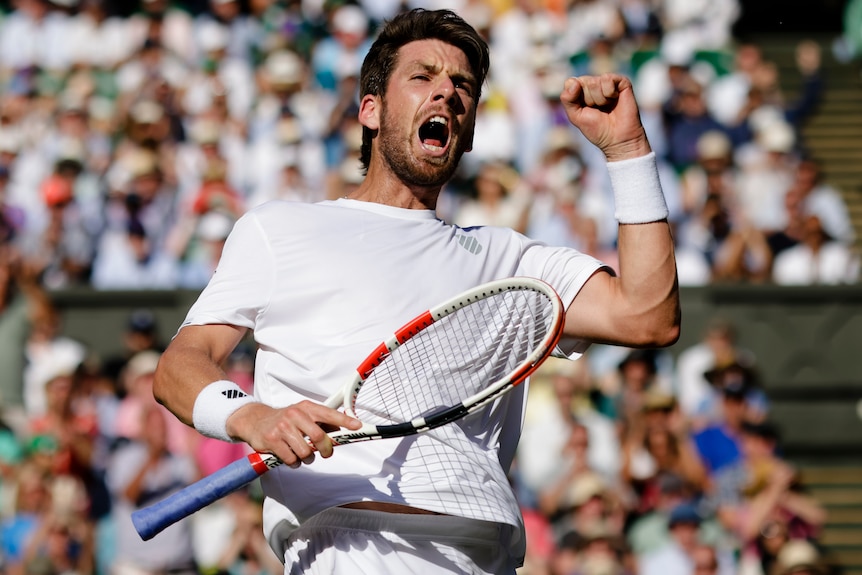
411,26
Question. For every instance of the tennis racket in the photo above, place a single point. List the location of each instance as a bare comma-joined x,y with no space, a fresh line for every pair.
443,365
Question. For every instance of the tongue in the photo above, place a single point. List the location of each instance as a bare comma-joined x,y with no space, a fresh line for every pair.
433,142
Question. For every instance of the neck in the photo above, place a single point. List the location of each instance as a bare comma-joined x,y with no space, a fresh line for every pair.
383,187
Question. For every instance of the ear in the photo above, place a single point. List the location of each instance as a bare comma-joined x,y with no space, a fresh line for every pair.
369,112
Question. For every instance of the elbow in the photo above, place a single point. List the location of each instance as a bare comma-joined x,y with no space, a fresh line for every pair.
160,378
659,329
669,335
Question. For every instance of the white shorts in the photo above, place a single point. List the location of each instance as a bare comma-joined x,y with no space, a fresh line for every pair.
359,541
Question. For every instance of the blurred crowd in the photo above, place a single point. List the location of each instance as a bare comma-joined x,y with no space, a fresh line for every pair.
133,137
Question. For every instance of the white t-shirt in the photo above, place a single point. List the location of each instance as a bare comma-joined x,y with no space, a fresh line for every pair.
322,285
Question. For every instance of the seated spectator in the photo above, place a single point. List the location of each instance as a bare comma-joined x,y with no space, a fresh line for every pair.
687,119
501,199
63,541
657,446
718,345
49,352
765,494
137,386
817,259
823,200
59,254
140,473
799,557
739,374
564,430
579,503
767,169
32,509
247,550
676,557
718,442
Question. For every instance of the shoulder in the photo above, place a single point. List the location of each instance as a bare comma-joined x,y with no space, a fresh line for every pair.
281,214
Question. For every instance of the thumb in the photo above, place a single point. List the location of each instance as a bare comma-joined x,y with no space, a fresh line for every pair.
572,92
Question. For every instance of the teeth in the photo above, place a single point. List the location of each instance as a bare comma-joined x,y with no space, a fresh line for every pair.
439,120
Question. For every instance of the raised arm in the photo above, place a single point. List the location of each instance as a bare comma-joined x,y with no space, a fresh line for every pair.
640,307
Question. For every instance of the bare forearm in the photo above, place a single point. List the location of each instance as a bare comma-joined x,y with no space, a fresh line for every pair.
191,362
648,283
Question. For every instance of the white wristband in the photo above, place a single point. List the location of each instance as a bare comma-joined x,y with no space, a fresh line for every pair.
638,198
214,404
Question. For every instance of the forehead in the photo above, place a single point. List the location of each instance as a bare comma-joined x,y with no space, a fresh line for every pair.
435,54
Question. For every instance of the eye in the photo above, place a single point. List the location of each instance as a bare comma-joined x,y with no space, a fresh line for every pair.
465,87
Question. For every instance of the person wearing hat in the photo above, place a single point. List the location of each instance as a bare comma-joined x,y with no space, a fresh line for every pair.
341,53
660,444
59,251
799,557
676,556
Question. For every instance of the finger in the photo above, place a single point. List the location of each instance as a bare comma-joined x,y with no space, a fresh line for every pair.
326,416
593,96
610,87
321,441
299,445
572,90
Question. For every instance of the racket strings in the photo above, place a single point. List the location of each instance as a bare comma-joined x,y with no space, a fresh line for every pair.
456,357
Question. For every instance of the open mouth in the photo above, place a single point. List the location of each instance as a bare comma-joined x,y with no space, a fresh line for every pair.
434,134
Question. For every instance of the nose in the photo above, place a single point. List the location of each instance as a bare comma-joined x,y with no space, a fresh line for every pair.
444,89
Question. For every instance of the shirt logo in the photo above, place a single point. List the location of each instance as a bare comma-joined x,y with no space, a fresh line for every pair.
233,393
469,243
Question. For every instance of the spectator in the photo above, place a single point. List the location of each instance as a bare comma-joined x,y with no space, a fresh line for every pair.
140,333
235,24
800,557
341,53
139,474
15,324
137,384
166,23
501,199
767,171
677,556
61,254
247,551
49,353
687,119
823,200
718,347
223,76
566,433
770,508
817,259
32,510
659,444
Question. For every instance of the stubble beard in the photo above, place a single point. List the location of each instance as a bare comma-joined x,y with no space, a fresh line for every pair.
427,172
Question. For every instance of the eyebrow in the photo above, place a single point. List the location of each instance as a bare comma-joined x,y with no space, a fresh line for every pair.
463,76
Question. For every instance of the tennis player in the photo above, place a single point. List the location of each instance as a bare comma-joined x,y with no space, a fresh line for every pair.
319,285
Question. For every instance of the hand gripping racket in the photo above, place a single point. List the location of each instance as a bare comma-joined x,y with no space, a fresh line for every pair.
443,365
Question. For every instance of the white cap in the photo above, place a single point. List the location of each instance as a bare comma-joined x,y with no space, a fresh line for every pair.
284,67
65,358
350,19
214,226
777,137
213,37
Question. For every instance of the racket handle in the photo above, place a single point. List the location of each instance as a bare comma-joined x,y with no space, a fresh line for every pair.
152,520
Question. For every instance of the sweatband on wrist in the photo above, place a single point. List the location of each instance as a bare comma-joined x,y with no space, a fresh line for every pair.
638,198
215,404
